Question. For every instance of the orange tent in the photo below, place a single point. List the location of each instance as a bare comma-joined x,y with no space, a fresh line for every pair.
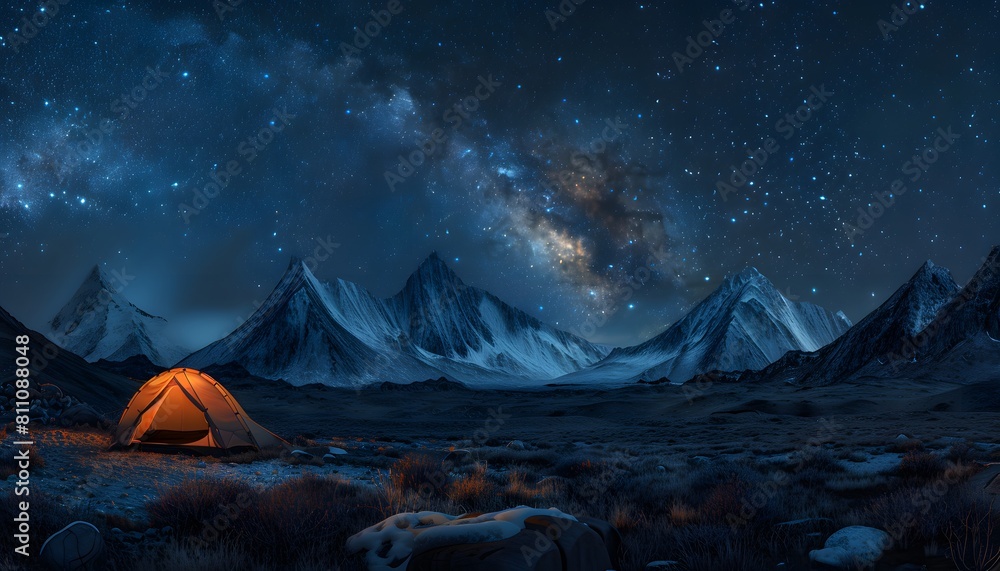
184,409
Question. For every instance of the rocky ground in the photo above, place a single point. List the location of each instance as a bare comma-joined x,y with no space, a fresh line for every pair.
662,464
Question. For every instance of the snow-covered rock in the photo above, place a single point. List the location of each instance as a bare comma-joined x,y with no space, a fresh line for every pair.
519,538
852,548
746,324
99,322
392,541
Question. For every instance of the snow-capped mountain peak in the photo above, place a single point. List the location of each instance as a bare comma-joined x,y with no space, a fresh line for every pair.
746,323
99,322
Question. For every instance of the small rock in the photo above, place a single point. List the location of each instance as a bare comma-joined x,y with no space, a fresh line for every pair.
516,445
700,460
117,531
302,454
73,547
134,536
661,468
852,547
337,451
80,414
201,464
663,566
152,532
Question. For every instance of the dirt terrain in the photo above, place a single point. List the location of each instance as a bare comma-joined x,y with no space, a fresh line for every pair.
660,456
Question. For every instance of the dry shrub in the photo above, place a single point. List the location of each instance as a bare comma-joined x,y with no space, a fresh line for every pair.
713,548
472,489
626,517
576,468
421,473
975,538
682,514
918,465
187,505
917,515
520,491
300,522
726,500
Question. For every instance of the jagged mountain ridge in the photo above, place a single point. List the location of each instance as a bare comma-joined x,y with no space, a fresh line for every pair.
435,326
746,323
868,346
99,322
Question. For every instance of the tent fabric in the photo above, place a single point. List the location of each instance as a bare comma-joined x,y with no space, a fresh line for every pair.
187,409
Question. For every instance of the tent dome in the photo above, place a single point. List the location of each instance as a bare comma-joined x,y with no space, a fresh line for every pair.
185,409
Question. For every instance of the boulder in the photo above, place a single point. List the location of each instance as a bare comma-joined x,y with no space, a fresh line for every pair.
74,547
546,544
609,535
80,414
522,538
855,547
50,391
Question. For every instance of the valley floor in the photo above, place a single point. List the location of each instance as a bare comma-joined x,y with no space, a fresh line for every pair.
679,472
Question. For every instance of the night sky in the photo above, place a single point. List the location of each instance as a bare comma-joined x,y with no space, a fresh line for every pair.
577,155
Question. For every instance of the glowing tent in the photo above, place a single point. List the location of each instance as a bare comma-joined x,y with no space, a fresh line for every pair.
184,409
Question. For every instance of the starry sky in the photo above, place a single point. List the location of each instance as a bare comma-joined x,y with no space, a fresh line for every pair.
559,160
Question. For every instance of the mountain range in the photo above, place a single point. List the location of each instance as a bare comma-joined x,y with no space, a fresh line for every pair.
745,324
436,326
